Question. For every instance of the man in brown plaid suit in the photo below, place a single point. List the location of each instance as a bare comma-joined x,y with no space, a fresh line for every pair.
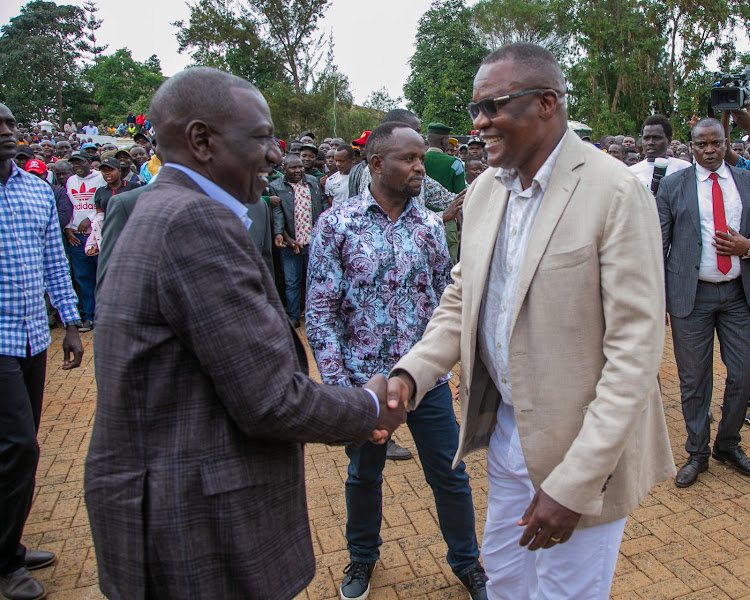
194,478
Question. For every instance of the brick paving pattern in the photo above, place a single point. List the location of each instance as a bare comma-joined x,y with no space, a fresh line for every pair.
684,544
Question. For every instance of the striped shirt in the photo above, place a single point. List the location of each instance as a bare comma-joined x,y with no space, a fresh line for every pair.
32,261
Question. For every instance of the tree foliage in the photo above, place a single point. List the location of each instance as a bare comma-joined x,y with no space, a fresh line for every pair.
92,25
448,53
292,29
224,35
40,50
502,22
121,83
381,100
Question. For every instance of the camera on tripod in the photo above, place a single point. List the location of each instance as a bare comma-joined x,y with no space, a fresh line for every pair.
731,91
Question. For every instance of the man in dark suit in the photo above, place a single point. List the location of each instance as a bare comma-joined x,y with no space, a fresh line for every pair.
118,209
293,221
705,222
194,480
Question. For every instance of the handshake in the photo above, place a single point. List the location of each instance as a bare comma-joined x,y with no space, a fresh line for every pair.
393,395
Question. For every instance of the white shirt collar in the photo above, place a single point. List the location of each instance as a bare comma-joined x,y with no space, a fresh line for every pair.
510,179
702,173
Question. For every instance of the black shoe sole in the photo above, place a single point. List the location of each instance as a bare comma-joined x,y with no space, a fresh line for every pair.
41,565
722,459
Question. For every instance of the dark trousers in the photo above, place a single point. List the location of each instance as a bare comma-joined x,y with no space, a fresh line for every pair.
720,307
22,387
435,431
84,272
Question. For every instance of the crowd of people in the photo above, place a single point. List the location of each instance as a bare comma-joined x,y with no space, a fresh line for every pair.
534,258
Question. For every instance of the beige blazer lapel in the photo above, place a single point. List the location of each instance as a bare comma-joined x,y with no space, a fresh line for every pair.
562,183
488,219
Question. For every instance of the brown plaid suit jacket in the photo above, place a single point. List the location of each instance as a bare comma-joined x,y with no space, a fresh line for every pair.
194,478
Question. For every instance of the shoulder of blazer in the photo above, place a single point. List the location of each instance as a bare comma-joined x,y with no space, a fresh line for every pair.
681,177
739,174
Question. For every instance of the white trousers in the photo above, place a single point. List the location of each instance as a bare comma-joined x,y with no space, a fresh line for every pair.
581,568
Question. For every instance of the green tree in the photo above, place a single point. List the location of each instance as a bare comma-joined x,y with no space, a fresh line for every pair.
224,34
40,50
619,76
381,100
292,27
93,24
447,56
502,22
119,83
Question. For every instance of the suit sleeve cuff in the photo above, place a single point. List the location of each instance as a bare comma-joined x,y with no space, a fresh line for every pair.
377,402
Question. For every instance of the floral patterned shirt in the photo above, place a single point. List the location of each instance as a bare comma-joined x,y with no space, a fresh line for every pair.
372,287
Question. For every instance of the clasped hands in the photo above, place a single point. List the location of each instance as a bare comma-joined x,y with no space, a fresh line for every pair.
546,522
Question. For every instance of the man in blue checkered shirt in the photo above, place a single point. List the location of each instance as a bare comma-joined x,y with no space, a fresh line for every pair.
32,261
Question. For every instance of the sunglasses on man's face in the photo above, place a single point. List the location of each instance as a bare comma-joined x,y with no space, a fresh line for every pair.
491,106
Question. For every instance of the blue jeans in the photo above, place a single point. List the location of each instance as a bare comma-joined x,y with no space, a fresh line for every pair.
84,271
435,431
294,274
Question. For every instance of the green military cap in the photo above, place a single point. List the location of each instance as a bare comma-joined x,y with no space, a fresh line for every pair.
439,128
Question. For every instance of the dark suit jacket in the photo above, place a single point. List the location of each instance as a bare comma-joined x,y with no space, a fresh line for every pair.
283,215
119,207
117,210
260,231
677,200
194,479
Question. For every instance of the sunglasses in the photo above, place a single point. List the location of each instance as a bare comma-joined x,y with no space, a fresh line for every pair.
491,106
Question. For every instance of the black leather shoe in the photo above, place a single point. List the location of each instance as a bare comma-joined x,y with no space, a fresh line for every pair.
736,457
395,452
38,559
21,585
476,582
688,474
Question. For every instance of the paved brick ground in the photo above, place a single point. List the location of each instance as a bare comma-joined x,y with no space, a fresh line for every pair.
687,544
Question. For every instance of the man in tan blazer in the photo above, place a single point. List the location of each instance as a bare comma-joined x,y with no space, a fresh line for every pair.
557,316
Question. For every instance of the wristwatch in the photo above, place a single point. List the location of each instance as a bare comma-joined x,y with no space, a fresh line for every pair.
746,256
76,323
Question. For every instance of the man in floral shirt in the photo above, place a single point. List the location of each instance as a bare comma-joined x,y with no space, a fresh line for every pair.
378,267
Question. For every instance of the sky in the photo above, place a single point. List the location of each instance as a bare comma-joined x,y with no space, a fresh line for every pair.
352,22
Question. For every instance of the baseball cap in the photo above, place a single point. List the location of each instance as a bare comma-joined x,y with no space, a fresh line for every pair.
88,145
307,134
308,147
362,139
122,151
80,156
24,151
140,135
36,166
110,162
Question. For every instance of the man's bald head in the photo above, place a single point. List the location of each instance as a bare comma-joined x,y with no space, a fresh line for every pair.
538,66
197,93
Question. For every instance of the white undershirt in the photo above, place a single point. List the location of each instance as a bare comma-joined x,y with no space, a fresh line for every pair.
709,268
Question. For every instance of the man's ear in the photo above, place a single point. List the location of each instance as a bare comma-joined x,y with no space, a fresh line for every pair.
375,162
198,137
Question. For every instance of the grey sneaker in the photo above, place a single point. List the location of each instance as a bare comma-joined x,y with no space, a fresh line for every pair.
476,582
356,583
86,326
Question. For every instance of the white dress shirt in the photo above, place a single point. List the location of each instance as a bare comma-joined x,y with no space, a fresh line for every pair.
644,170
709,268
496,314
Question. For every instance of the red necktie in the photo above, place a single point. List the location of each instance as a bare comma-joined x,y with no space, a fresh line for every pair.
720,221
